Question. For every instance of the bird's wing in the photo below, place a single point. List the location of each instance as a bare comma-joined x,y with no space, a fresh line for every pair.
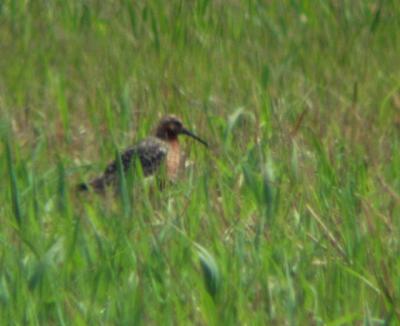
151,152
110,175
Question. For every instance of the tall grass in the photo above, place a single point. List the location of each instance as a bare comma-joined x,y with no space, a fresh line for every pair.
291,216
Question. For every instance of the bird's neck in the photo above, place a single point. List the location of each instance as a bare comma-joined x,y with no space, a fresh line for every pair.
173,142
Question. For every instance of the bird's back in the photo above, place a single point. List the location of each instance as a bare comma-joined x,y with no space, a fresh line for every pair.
151,152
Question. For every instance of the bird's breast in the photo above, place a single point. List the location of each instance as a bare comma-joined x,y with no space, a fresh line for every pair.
173,159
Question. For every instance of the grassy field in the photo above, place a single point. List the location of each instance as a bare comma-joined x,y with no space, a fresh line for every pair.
292,216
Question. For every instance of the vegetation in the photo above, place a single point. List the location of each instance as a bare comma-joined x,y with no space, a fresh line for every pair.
290,217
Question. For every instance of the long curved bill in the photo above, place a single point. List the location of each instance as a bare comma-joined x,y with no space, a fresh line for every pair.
190,134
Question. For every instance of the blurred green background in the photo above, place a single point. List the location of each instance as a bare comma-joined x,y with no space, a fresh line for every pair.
291,216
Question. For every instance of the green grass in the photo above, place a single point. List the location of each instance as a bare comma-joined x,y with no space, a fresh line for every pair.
291,217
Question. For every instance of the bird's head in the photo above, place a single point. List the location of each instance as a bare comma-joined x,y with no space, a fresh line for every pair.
170,127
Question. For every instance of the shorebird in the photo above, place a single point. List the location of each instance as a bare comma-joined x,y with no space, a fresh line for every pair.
152,152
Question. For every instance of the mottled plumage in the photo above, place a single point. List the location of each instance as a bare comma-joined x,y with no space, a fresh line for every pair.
151,152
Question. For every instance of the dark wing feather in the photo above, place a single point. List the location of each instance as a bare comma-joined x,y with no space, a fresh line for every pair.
151,152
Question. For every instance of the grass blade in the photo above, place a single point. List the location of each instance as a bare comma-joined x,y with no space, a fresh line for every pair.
210,271
15,195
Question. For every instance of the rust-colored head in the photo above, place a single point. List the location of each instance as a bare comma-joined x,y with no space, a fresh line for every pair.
171,126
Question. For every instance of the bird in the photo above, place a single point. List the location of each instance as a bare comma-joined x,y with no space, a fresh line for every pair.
152,152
